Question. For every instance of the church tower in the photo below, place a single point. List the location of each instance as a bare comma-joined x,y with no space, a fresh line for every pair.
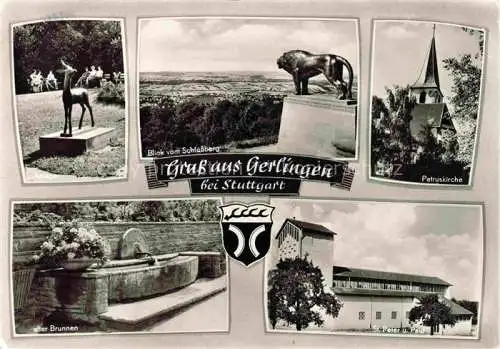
426,89
430,108
299,239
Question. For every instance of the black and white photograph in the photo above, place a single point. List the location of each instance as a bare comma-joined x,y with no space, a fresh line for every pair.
425,103
337,267
279,85
97,267
70,100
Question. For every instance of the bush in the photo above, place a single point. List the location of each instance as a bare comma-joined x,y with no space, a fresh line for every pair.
112,94
37,217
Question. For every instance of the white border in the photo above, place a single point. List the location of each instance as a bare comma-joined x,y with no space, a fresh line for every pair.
480,266
478,119
77,334
358,71
22,166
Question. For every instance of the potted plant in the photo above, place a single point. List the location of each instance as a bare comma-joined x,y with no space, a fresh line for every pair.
73,246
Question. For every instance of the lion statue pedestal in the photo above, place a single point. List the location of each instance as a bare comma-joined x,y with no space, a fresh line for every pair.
318,125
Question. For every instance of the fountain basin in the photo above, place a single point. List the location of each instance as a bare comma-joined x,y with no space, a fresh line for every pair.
143,280
85,295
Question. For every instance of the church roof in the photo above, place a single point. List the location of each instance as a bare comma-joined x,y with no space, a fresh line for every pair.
428,113
389,276
310,227
429,76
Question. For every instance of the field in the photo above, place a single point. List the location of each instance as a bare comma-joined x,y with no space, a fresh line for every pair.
42,113
256,98
183,85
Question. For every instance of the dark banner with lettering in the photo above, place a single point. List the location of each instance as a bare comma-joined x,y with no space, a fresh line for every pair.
272,174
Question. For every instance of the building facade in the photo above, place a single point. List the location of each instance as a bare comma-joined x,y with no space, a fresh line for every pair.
372,299
298,239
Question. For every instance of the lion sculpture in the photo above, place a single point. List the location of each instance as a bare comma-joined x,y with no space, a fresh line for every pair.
303,65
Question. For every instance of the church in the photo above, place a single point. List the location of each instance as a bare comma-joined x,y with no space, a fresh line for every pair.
372,300
427,93
430,107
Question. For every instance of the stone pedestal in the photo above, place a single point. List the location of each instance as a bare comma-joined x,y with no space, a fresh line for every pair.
82,141
73,295
318,125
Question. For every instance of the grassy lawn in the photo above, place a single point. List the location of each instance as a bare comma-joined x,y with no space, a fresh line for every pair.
43,113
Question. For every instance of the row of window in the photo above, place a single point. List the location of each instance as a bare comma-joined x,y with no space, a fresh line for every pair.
402,286
378,315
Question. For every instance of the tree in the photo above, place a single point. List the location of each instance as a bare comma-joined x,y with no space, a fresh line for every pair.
392,141
449,143
432,151
465,71
296,293
83,43
432,312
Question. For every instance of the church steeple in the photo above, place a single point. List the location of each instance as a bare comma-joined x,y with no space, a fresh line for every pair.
427,84
431,77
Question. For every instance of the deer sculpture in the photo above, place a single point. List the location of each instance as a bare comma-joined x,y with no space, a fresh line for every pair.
72,96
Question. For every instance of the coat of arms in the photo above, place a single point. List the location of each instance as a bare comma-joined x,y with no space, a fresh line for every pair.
246,231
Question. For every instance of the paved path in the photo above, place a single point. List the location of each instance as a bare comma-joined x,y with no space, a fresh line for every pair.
209,315
147,313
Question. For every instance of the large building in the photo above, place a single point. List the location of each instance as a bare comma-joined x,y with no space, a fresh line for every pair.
371,299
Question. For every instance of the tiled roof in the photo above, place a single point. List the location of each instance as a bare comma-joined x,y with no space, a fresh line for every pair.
456,309
429,76
389,276
423,114
311,227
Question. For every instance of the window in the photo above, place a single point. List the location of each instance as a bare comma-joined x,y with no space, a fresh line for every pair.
394,315
361,315
422,97
378,315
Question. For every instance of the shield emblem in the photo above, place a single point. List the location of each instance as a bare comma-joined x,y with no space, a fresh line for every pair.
246,231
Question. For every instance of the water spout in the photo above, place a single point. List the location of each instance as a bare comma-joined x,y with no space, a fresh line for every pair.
152,260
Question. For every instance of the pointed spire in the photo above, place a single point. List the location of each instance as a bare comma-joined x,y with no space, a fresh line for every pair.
429,76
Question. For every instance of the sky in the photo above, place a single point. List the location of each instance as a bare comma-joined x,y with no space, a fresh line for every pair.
235,44
427,239
400,50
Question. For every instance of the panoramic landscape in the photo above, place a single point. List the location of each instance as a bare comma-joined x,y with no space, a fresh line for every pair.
253,100
212,97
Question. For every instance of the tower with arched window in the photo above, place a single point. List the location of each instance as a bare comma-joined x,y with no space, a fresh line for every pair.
430,107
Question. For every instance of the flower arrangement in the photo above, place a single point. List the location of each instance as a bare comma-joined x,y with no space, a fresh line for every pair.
72,240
